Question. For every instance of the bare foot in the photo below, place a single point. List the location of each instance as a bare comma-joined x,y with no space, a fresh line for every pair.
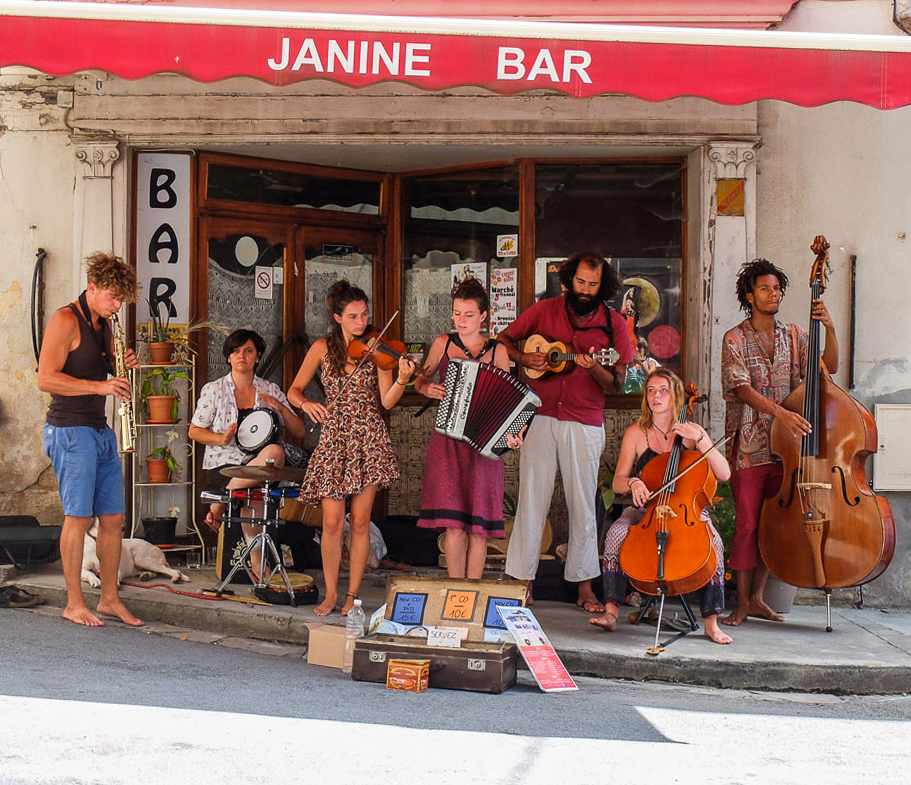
350,597
119,611
529,600
759,609
714,633
737,617
606,622
327,606
82,616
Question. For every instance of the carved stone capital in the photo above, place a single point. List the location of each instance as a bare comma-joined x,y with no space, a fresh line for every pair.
98,158
731,160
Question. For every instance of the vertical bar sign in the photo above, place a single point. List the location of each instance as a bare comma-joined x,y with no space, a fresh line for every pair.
163,236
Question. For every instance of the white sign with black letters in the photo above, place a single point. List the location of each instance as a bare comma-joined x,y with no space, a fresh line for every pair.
163,188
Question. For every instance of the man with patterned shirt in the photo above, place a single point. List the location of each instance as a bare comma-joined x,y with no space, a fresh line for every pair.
762,361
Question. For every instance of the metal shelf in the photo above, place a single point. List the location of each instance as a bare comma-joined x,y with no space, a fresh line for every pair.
156,499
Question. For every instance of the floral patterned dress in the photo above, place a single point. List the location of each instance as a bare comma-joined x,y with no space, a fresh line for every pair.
354,449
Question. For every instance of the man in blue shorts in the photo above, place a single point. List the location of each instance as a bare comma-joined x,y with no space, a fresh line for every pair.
77,357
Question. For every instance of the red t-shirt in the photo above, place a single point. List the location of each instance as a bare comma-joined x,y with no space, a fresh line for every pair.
573,396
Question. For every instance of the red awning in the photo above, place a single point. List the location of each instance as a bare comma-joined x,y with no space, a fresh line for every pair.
505,56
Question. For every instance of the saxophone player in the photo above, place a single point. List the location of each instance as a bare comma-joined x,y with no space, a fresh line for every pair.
76,367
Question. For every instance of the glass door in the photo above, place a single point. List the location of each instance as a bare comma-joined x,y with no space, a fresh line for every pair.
327,255
242,284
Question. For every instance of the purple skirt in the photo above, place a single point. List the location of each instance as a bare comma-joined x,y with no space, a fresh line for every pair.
461,489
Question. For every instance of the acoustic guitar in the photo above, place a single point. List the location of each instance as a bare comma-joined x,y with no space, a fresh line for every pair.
560,358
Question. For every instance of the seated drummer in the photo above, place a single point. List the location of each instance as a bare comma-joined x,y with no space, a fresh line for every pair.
222,405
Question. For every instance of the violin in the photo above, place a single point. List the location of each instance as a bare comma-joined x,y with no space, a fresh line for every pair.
384,353
672,551
825,528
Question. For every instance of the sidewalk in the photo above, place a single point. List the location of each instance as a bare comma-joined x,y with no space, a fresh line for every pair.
868,652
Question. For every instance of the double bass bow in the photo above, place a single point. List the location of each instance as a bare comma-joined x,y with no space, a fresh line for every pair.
825,528
671,551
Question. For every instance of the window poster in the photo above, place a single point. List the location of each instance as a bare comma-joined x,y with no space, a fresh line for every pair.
503,299
649,302
463,270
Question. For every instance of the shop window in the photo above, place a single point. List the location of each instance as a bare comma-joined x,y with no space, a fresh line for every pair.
325,263
235,299
459,224
287,188
632,214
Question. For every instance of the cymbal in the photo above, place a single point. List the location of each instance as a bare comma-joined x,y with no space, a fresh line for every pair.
264,473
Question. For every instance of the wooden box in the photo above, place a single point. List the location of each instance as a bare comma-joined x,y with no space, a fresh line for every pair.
478,665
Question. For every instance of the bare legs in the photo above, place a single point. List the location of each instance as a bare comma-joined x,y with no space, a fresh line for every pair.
750,588
331,547
271,452
466,553
72,544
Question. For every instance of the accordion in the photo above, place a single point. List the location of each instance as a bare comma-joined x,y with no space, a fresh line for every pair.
484,403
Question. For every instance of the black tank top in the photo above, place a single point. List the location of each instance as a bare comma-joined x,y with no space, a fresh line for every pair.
86,361
642,460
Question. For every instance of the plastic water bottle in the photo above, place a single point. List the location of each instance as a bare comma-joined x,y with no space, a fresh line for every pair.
354,629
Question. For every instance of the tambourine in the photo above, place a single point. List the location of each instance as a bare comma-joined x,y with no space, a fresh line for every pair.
258,428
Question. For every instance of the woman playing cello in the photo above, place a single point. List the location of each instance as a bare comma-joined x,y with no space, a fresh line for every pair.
354,456
651,436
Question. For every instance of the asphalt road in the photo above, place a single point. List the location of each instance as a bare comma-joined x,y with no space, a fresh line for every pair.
116,705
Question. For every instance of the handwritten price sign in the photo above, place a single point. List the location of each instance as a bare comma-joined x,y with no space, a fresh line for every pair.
409,608
460,605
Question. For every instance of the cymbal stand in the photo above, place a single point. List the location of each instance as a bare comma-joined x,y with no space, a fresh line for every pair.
642,616
261,540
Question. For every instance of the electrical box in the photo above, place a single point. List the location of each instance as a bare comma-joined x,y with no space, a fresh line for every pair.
892,460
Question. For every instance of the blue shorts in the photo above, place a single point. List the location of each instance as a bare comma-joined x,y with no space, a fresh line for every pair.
88,469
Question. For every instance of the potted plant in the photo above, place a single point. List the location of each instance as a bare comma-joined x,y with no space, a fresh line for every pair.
158,336
160,395
161,464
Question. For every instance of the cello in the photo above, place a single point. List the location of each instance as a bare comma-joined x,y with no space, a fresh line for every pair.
671,551
825,528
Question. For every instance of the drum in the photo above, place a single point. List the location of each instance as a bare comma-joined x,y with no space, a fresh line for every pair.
257,429
291,508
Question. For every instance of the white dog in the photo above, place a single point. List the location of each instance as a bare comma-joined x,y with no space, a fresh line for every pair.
138,558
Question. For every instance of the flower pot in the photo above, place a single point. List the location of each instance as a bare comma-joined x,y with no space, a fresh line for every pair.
157,469
161,408
159,531
161,352
778,595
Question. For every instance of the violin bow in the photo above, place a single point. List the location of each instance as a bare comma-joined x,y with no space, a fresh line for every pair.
669,483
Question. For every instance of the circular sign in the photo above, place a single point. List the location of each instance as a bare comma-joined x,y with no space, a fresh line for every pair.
246,251
664,342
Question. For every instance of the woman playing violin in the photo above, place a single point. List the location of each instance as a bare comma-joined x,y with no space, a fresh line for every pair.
462,491
354,456
653,435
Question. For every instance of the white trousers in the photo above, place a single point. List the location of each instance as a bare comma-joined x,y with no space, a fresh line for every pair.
576,450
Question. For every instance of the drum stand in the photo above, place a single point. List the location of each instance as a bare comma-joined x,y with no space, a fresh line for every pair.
263,541
642,616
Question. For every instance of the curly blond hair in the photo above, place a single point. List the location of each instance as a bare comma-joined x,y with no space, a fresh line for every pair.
111,273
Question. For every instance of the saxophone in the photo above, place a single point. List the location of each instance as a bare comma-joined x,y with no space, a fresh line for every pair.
127,417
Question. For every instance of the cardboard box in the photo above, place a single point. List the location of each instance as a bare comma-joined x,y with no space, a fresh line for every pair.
326,645
481,663
408,675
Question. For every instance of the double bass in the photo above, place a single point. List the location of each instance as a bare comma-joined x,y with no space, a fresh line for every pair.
671,551
825,528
